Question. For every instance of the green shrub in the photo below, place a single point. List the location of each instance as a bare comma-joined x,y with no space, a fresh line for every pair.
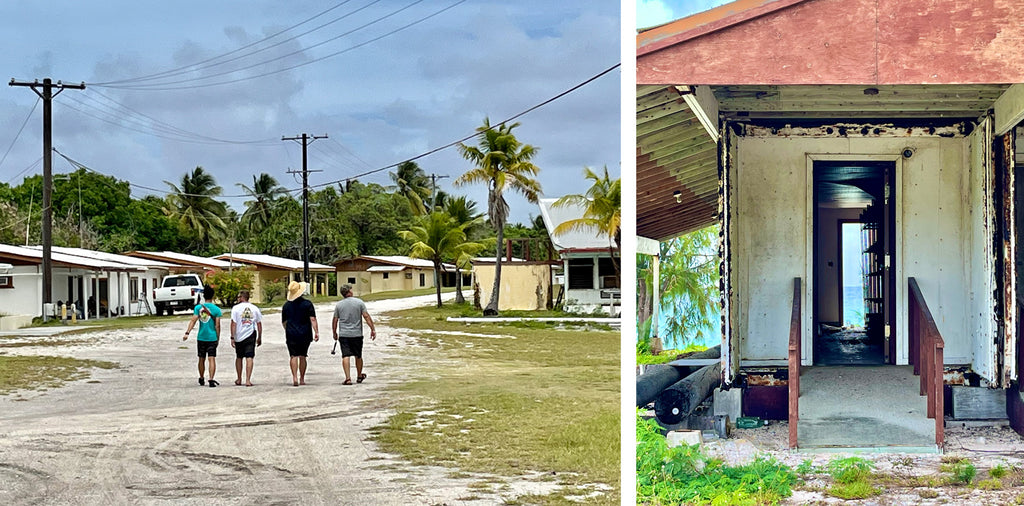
272,290
998,471
850,469
227,284
963,473
859,489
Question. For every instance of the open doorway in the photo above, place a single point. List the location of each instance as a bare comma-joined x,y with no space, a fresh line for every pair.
853,283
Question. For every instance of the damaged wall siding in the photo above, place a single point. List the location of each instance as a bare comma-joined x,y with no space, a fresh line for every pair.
1009,240
771,223
980,222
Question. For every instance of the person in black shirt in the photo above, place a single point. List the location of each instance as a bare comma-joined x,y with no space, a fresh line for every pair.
300,329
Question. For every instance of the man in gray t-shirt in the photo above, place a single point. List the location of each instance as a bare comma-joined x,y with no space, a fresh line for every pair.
347,325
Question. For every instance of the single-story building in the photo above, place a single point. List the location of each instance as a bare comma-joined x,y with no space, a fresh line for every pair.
101,286
141,285
184,263
788,122
268,268
372,274
589,281
525,284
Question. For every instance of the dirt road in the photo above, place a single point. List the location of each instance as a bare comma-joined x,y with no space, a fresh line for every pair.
147,433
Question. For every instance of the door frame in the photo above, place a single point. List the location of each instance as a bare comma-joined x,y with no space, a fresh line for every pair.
807,344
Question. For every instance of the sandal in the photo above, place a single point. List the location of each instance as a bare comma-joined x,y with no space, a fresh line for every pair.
347,382
361,378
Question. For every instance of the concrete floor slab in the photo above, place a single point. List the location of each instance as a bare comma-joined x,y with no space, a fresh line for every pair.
863,407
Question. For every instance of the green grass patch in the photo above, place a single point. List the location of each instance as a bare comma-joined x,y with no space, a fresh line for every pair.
683,475
667,356
546,401
42,372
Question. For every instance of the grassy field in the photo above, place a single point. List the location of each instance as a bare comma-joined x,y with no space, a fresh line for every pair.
529,399
42,372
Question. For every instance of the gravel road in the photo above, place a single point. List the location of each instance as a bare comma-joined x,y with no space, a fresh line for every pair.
147,433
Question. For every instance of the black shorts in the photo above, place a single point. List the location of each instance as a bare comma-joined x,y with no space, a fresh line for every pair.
246,348
206,348
298,348
351,346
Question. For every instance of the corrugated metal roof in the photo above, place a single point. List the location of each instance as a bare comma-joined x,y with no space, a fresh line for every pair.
114,257
273,262
400,260
575,240
181,259
32,254
387,268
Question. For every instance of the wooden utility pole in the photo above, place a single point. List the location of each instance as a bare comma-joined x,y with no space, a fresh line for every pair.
433,190
45,90
305,140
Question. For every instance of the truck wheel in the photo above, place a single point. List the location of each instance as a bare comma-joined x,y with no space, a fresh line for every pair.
159,309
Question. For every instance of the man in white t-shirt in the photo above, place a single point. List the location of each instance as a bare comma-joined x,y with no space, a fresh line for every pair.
246,335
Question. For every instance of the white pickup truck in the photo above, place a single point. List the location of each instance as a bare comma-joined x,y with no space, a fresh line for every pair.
179,291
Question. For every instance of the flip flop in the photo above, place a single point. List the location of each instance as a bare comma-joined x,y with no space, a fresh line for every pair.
238,383
361,378
347,382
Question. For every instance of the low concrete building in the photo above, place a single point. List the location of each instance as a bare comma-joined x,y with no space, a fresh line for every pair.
525,285
269,268
372,274
589,278
99,285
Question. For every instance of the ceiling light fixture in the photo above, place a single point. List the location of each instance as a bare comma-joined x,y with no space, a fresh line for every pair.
679,196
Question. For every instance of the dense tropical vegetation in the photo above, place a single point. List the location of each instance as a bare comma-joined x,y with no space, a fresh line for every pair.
409,217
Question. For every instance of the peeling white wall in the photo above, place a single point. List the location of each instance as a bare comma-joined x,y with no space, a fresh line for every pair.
771,223
980,222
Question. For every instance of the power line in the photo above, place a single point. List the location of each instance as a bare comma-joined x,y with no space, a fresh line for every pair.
476,134
195,66
16,136
165,87
26,169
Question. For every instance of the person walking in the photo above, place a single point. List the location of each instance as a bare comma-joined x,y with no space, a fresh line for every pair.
347,325
246,335
300,329
208,316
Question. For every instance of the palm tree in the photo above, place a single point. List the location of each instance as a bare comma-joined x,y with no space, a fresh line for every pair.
412,182
602,211
193,207
502,163
437,239
265,190
463,211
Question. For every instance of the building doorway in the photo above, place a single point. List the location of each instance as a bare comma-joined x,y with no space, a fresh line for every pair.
854,285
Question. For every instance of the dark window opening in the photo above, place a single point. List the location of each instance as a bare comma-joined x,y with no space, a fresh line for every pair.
351,281
6,281
423,279
581,273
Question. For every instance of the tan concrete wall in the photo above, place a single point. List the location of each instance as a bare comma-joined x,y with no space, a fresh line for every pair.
362,281
523,286
938,220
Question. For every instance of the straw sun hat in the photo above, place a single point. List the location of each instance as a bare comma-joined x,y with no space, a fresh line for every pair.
296,289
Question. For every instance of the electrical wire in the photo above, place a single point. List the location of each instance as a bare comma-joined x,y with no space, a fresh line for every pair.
16,136
26,169
165,87
208,60
476,134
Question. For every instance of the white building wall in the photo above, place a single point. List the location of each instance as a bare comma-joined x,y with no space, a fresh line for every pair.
772,193
26,296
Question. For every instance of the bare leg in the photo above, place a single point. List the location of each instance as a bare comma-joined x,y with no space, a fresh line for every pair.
344,366
359,366
294,364
238,371
302,370
213,366
248,371
202,367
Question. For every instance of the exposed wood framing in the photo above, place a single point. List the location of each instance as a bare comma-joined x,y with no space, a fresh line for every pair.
730,344
958,129
1009,264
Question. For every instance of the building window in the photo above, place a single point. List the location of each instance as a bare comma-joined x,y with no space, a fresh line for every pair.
581,273
606,272
385,275
423,279
133,289
408,275
352,281
6,281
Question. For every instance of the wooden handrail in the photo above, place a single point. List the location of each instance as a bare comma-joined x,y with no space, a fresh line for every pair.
794,364
926,346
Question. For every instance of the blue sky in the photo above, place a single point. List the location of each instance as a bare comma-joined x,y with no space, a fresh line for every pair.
655,12
390,99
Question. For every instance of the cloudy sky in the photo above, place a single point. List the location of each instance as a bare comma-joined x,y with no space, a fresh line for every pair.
655,12
173,85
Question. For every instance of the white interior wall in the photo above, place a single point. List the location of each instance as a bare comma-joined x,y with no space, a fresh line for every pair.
980,224
828,268
771,192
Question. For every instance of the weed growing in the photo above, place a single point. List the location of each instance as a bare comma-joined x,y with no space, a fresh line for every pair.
684,475
852,478
961,471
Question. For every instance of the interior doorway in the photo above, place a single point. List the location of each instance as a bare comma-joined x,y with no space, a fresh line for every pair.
854,285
